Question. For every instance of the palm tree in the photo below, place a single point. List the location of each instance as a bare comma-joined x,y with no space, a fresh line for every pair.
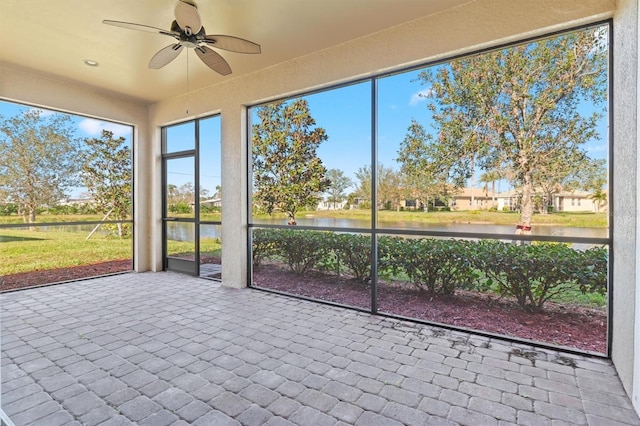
491,176
599,198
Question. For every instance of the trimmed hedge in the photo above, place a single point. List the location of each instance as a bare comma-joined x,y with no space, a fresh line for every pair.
530,273
434,266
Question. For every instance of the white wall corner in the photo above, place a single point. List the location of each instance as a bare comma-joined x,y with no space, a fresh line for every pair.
635,393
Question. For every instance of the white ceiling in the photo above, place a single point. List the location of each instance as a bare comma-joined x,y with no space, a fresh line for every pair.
53,37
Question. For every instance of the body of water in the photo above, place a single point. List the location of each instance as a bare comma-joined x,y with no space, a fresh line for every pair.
181,231
546,230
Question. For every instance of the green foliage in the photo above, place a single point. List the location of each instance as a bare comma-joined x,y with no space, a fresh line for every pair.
107,174
437,266
390,191
179,208
287,173
209,209
536,273
38,160
302,250
423,179
531,274
8,209
354,252
519,109
337,186
592,272
264,245
64,209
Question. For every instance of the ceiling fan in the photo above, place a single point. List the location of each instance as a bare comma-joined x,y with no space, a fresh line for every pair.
187,29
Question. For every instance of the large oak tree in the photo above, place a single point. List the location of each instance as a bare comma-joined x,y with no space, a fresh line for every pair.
519,109
38,160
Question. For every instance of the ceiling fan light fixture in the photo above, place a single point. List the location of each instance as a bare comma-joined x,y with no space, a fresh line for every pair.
90,63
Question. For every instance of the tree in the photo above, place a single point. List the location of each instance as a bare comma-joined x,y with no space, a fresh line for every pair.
187,193
38,160
172,194
287,173
490,177
524,102
337,186
218,193
107,174
390,190
389,186
363,190
599,198
417,165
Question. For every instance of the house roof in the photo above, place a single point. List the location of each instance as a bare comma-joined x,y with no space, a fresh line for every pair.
55,37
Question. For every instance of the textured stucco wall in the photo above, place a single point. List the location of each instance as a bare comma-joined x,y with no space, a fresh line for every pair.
20,86
626,268
625,217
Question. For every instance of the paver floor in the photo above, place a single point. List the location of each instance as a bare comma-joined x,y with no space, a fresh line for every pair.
167,349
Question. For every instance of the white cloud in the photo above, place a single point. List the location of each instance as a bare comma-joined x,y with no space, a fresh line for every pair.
420,96
94,127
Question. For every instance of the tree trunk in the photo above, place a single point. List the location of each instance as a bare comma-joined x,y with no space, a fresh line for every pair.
526,207
473,182
493,193
32,217
544,205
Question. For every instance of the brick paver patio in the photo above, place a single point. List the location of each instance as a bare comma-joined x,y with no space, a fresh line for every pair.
167,349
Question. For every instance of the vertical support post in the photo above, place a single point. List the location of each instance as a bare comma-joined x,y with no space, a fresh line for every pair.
374,196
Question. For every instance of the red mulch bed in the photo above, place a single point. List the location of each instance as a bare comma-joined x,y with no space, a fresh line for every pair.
571,326
34,278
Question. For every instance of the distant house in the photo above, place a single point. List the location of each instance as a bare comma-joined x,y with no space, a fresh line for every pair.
566,201
212,202
508,200
76,201
462,200
330,205
577,201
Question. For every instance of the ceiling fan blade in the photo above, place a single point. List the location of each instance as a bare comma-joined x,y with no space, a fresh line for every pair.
165,55
232,44
187,16
213,60
139,27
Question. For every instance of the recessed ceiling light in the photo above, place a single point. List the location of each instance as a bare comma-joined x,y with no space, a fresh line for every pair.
90,63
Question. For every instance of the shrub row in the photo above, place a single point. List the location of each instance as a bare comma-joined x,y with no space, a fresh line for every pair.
530,273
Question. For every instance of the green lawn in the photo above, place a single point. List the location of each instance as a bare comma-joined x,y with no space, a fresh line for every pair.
25,251
54,218
580,220
208,247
